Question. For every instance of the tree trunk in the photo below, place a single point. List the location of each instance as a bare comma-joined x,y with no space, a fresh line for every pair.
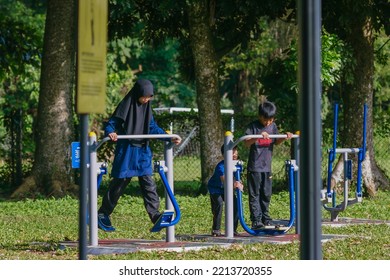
242,91
52,165
356,95
208,99
17,147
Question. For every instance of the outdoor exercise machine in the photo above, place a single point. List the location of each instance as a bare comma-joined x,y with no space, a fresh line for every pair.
230,166
276,229
330,196
172,209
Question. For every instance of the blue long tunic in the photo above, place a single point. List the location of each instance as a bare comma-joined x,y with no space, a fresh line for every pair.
129,160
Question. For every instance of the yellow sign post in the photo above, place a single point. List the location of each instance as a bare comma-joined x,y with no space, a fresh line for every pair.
91,94
91,58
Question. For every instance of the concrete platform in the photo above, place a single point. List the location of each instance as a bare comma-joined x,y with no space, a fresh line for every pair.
184,243
203,241
350,221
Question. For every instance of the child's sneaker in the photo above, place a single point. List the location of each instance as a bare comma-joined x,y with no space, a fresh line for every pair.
104,222
216,233
267,222
257,225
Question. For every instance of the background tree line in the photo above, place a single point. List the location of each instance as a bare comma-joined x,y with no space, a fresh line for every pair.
205,54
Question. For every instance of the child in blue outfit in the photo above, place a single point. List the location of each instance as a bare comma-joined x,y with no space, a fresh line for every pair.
133,157
216,190
259,173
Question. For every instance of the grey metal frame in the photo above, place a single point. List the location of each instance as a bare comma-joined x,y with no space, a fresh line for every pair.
229,169
93,171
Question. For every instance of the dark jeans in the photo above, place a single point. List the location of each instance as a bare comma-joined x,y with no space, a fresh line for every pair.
260,191
217,201
149,193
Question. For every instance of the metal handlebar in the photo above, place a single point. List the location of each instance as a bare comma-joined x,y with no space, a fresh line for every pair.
143,136
271,136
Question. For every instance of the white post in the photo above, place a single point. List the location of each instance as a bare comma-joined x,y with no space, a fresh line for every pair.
93,230
228,185
170,231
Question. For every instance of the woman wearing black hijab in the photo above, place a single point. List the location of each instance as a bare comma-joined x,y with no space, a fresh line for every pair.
133,157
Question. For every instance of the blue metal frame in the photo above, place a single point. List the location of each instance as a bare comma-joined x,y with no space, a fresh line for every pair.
361,153
103,171
331,196
332,152
166,218
269,231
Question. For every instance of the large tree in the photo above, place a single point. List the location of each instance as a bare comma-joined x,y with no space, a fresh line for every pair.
54,131
356,21
206,76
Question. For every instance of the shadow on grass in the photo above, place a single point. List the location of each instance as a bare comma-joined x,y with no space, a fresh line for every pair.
34,247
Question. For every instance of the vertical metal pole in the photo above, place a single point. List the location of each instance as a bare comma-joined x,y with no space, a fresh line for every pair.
93,227
228,185
296,189
170,231
84,150
361,156
346,180
309,22
335,123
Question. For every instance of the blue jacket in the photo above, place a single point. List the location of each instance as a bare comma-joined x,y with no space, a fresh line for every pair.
130,160
215,184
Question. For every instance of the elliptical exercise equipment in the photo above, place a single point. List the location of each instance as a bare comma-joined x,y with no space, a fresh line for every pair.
276,229
228,184
330,197
93,187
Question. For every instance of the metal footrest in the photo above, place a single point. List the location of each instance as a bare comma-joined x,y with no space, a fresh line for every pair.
164,221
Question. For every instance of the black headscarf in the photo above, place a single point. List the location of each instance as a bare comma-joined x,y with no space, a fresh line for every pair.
136,116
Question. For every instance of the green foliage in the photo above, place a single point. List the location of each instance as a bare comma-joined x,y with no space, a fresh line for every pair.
279,79
120,76
21,33
340,16
160,65
7,173
272,64
21,41
251,58
382,85
129,59
256,55
122,19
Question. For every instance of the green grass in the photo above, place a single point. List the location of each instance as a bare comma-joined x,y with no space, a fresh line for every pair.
33,229
382,150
